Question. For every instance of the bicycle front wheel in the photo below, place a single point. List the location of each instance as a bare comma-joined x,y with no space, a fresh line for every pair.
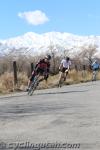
33,87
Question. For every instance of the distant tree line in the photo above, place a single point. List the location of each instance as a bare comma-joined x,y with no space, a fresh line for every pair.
80,61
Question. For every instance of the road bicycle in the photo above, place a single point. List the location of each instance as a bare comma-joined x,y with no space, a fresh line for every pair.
36,81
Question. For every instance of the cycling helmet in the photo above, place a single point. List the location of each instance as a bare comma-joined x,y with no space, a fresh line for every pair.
48,57
67,58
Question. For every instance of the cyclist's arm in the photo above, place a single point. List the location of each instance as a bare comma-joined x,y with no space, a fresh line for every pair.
36,66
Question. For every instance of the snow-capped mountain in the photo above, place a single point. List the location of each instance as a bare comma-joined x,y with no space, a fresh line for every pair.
32,43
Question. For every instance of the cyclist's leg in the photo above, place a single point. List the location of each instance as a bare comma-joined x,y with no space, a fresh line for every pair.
94,75
65,74
40,75
44,77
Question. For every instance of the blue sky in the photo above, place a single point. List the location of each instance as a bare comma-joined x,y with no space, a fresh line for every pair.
80,17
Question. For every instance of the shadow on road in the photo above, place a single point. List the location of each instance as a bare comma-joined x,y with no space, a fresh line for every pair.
62,92
46,93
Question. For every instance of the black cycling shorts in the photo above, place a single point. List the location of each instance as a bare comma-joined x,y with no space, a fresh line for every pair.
63,70
39,71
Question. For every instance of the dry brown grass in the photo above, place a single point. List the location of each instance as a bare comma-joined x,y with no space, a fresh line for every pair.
78,76
7,81
72,78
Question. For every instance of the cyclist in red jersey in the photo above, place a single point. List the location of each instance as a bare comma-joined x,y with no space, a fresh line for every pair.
42,68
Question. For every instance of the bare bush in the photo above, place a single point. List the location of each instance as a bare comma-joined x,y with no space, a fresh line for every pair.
88,53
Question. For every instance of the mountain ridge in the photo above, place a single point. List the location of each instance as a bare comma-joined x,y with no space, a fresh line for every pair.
38,43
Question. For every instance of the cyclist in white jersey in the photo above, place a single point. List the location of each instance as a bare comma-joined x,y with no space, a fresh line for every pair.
64,68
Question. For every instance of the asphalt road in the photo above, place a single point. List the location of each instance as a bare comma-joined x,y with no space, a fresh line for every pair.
69,115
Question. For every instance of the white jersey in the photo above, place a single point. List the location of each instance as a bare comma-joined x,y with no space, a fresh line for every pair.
65,64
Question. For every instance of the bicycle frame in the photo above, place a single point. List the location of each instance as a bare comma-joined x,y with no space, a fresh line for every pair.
35,83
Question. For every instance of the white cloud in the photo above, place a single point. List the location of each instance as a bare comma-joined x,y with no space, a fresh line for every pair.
34,17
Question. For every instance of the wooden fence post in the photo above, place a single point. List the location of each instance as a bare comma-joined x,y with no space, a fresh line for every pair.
84,67
15,73
84,71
